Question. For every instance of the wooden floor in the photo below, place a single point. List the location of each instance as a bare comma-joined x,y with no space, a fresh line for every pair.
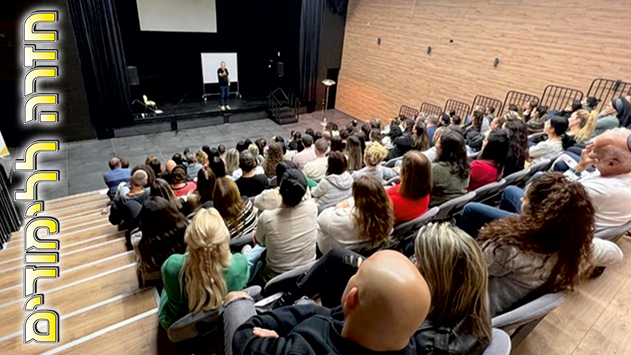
103,310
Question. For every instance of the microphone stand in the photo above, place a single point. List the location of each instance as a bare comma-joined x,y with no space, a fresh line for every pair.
174,119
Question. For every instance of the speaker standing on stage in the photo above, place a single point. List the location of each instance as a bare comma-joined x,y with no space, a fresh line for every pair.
224,86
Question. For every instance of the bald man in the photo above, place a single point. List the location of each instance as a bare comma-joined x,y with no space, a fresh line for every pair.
610,186
115,176
383,306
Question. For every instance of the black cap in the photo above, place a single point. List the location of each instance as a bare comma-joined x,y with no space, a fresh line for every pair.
293,187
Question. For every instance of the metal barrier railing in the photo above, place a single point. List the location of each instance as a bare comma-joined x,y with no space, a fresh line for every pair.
486,102
430,109
408,112
462,108
518,98
558,97
607,90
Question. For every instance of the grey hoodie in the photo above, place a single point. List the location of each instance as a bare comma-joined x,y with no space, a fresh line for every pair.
333,189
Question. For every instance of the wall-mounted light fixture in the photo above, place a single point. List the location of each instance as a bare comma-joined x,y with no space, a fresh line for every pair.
429,49
496,62
378,41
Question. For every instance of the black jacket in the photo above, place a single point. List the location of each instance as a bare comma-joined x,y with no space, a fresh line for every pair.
309,329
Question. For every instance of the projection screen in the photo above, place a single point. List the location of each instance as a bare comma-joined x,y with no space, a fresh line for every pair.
177,16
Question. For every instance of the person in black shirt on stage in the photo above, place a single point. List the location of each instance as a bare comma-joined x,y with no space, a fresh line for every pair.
224,86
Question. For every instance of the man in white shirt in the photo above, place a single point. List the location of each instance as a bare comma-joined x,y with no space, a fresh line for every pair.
316,169
610,187
288,232
307,155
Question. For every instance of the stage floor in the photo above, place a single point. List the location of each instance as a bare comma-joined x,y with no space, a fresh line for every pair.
82,164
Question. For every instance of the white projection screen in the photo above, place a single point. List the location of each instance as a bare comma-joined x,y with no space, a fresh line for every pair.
212,61
177,15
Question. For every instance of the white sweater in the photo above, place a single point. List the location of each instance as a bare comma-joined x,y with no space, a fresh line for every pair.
333,189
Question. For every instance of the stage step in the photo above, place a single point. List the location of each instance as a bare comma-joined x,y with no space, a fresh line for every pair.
284,115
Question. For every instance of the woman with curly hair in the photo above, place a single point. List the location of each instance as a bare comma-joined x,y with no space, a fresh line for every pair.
373,156
273,156
364,221
547,248
517,146
450,172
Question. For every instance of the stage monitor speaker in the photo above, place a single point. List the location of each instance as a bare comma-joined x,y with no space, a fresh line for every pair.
280,69
132,74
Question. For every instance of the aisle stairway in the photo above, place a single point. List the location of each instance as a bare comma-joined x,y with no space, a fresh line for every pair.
97,296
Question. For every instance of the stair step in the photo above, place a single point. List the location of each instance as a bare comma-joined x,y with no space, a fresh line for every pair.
85,323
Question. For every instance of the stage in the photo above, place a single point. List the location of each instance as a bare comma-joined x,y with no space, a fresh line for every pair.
193,114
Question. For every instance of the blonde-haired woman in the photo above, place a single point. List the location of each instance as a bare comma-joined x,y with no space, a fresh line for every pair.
460,305
199,280
581,127
232,161
373,156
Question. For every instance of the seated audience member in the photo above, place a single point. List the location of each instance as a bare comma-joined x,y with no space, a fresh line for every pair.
403,143
431,124
115,176
589,103
202,158
168,168
326,135
199,279
180,186
450,171
295,143
488,167
353,153
124,163
431,152
206,149
127,206
474,133
239,214
373,156
273,156
310,132
221,149
315,170
580,130
271,199
203,195
192,166
306,155
555,128
537,119
607,119
254,150
232,162
529,108
163,228
383,306
177,158
261,144
608,187
155,165
288,232
161,188
363,222
337,144
547,248
394,132
411,197
242,146
517,146
497,123
374,137
251,183
336,185
419,138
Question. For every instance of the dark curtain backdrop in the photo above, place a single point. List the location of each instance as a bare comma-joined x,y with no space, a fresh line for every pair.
310,29
102,63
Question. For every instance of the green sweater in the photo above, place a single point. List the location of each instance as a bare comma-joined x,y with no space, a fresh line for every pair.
446,186
174,303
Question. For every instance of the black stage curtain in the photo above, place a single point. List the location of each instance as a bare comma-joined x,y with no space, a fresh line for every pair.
10,217
103,63
311,18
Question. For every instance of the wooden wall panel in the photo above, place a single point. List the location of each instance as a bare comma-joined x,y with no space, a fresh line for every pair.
538,42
